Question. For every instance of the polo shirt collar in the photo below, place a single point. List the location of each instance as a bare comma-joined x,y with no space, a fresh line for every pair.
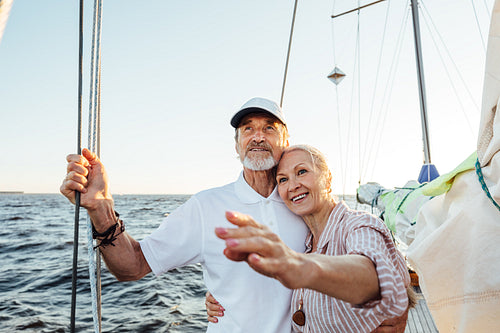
248,195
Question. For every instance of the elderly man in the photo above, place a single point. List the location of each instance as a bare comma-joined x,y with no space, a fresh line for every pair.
253,302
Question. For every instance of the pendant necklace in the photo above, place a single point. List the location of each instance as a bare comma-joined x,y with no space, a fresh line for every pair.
299,317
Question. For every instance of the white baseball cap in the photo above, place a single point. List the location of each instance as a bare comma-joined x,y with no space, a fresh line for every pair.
258,104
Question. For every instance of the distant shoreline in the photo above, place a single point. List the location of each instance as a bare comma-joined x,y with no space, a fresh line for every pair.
11,192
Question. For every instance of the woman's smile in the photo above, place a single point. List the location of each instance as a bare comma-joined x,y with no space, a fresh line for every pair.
298,198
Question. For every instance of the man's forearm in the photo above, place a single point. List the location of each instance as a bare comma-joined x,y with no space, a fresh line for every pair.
125,259
120,251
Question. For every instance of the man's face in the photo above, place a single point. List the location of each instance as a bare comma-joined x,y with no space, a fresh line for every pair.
260,141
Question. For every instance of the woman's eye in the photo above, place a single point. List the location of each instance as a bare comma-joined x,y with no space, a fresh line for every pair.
302,171
282,180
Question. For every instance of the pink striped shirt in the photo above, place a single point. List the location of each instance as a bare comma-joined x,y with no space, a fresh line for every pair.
355,232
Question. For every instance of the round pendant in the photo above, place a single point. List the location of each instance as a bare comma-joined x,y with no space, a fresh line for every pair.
299,317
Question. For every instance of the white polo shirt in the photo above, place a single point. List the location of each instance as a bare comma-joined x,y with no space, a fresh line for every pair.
253,302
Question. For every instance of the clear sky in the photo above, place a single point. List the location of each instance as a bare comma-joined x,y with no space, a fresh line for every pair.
173,73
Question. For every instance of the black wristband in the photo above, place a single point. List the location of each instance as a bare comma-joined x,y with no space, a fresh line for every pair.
108,237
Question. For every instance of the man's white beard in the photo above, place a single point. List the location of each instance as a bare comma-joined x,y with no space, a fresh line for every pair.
259,164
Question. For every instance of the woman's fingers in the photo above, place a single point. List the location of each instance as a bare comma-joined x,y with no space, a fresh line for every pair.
249,237
241,232
247,227
241,220
238,249
261,264
267,247
214,309
209,298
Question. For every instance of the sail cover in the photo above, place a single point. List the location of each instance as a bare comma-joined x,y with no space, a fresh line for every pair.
5,6
456,249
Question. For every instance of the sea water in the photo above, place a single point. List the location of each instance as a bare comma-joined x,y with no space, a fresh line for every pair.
36,257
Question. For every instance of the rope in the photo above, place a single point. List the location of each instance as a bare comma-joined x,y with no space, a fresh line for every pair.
384,108
288,53
427,16
94,145
343,173
351,106
480,177
74,277
363,160
358,56
478,25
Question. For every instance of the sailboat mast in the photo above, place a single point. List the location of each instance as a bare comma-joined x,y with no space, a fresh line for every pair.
428,171
421,81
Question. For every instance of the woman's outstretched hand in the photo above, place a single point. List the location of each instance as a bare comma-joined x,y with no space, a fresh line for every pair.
263,250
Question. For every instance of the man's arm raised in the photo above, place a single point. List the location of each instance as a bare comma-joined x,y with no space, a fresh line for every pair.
87,175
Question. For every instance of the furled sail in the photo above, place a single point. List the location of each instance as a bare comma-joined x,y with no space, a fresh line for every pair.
5,6
455,251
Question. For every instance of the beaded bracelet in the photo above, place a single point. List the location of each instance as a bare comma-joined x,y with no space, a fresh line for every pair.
108,237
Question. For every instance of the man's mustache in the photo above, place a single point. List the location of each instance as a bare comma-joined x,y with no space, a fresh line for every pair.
264,145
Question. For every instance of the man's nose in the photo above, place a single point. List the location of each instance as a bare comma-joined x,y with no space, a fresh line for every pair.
258,136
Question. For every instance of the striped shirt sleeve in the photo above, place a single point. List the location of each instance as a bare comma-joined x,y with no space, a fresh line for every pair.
372,240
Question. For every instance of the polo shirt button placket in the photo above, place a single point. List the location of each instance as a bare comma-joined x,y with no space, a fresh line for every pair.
270,215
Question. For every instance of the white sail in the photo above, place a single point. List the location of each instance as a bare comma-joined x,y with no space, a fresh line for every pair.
455,252
5,6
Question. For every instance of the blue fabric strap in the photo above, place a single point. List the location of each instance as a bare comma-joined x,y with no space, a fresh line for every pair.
483,184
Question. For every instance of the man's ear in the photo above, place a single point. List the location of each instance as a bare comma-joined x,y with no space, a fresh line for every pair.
287,143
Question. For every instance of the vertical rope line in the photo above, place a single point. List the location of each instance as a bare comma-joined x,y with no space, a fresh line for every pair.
98,252
478,26
385,102
448,74
365,161
94,139
358,55
343,173
288,53
429,23
77,194
350,126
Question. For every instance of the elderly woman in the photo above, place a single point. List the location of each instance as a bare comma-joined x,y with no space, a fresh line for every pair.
351,276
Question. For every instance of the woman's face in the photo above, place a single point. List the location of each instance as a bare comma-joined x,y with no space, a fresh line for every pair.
300,184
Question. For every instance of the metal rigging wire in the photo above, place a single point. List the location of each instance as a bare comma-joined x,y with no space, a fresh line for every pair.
288,53
94,139
453,86
364,160
377,142
79,151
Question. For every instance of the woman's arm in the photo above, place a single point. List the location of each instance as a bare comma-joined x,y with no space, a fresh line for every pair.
351,278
